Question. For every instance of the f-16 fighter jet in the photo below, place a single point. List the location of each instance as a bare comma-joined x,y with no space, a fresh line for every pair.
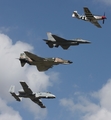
55,41
89,17
27,93
42,64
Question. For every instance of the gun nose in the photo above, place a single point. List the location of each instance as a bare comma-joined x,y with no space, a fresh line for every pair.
53,96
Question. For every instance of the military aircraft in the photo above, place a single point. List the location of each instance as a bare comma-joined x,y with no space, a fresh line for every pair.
56,41
42,64
90,17
27,93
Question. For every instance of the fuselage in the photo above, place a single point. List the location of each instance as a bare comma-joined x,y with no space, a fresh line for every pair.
70,42
43,61
83,17
36,95
96,17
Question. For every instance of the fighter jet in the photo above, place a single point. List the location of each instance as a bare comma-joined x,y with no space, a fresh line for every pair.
42,64
56,41
27,93
90,17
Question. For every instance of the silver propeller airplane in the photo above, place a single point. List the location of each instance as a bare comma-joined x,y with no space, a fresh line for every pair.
42,64
89,17
56,41
27,93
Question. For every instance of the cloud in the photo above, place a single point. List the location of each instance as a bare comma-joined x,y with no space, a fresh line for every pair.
11,73
107,2
104,95
7,112
95,107
7,29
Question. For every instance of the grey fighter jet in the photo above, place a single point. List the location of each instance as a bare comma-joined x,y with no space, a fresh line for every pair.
42,64
27,93
56,41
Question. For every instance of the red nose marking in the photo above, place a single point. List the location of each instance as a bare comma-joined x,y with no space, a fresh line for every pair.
103,17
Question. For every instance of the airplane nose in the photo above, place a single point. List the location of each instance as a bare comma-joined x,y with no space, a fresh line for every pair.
104,17
88,42
70,61
54,96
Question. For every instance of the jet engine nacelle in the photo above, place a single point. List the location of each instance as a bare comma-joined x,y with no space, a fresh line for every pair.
21,92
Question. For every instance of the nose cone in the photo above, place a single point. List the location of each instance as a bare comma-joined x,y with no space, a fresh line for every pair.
70,61
104,17
53,96
88,42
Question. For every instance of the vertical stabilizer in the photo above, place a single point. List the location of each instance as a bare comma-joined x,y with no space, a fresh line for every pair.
75,14
12,89
50,37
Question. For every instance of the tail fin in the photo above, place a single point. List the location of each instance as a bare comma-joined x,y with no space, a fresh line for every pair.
50,37
12,92
12,89
75,14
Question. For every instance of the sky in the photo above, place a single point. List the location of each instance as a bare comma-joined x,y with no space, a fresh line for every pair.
83,88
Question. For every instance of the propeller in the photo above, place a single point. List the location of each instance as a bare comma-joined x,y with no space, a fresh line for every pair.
104,18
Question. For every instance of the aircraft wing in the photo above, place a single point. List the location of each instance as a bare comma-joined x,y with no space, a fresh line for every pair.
33,56
37,101
65,46
58,39
44,66
26,88
90,17
41,66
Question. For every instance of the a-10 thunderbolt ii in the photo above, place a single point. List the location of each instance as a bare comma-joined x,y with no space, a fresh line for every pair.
27,93
56,41
42,64
89,17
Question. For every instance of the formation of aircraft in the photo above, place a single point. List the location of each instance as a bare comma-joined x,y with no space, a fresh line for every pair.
89,17
27,93
42,64
56,41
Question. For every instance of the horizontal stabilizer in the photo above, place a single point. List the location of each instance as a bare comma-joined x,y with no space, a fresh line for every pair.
16,97
12,91
22,62
45,40
49,43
